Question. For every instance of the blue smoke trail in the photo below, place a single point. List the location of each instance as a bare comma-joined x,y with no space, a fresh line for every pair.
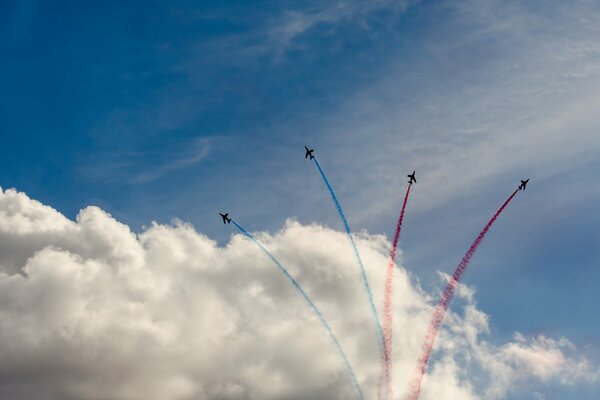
363,274
312,305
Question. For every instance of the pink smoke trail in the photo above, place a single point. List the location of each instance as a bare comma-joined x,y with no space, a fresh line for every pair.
442,307
386,369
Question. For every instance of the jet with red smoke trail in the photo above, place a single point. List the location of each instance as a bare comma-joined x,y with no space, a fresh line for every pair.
440,311
411,178
523,184
384,389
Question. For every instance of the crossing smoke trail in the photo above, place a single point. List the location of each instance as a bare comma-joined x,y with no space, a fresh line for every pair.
324,323
363,274
387,309
442,307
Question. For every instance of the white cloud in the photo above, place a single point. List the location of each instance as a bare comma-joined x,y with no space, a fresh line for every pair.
540,357
91,310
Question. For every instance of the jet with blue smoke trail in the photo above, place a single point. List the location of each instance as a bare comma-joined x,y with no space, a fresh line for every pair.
226,219
363,274
313,306
309,153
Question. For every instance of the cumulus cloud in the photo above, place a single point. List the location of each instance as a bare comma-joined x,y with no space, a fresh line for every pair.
91,310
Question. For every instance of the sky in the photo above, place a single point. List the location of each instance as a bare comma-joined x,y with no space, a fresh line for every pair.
127,127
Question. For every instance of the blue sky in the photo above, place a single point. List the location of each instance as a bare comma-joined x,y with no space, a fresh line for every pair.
182,109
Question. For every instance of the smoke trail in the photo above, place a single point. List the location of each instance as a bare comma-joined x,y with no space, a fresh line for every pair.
363,274
387,308
442,307
350,371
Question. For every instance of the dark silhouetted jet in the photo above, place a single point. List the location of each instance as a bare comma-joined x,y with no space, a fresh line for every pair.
226,219
523,184
309,153
411,178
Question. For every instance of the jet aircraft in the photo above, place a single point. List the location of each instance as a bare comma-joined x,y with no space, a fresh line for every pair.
226,219
309,153
411,178
523,184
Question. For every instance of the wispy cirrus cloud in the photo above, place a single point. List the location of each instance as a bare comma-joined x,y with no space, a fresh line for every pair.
294,23
198,151
147,166
498,88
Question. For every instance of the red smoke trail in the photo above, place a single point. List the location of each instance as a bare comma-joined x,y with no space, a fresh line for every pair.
386,370
442,307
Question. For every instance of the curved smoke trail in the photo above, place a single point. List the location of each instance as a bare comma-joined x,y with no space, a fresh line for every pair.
363,274
387,308
336,343
442,307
